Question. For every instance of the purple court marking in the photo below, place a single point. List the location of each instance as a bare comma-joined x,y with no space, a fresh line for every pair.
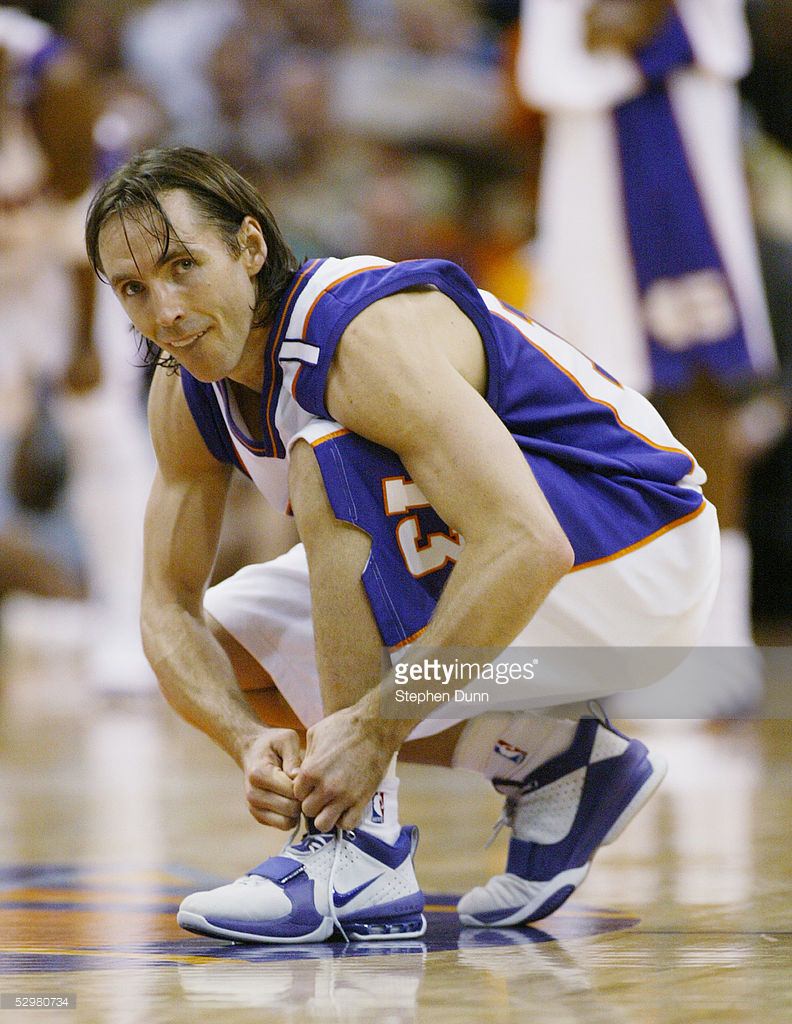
444,931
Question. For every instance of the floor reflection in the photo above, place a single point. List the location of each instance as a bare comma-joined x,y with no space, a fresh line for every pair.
110,814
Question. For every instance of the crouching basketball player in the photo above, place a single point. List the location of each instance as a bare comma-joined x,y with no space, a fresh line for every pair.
457,473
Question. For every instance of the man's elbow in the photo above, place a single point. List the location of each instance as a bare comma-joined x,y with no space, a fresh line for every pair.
159,655
548,554
150,634
559,554
159,629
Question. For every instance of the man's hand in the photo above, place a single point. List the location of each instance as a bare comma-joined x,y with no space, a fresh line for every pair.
344,762
270,765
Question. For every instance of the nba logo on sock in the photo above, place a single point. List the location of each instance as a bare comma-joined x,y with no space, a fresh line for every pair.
513,754
378,808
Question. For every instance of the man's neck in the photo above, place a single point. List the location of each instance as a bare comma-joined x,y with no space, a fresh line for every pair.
249,371
248,403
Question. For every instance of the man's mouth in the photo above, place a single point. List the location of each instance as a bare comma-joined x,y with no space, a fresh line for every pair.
186,342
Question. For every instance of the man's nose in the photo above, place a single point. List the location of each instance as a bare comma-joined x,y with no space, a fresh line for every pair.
168,308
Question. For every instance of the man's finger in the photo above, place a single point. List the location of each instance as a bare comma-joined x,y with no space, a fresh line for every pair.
327,819
280,821
288,746
316,801
272,779
304,784
264,800
353,817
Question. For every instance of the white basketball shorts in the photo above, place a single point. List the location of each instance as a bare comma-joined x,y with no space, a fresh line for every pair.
657,595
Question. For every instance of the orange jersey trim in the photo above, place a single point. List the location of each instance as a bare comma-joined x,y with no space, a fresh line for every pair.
346,277
591,398
294,382
410,639
645,540
275,341
329,437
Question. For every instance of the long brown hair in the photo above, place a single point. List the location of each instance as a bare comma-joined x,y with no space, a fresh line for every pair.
222,195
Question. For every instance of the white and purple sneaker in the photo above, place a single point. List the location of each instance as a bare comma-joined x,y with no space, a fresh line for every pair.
560,815
350,882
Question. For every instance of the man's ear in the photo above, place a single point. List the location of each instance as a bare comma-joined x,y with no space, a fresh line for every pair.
253,247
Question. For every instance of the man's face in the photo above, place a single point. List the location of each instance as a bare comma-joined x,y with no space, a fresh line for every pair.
196,299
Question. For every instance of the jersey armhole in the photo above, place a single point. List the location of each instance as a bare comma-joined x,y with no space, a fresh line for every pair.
448,279
205,411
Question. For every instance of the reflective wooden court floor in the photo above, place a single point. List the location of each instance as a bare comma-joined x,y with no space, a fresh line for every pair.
111,811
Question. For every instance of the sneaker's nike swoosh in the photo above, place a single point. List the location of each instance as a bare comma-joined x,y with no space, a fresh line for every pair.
340,899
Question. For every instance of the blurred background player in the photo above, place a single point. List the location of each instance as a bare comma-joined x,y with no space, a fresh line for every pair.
46,298
72,414
646,254
768,91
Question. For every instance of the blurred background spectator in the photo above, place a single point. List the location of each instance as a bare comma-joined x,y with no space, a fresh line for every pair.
68,371
646,253
768,90
386,126
46,298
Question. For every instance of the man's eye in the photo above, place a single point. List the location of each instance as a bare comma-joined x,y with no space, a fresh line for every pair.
184,264
131,288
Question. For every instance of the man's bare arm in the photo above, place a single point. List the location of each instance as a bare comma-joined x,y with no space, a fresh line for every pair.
409,374
183,521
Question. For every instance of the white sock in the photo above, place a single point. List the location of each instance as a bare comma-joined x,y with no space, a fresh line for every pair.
511,746
381,817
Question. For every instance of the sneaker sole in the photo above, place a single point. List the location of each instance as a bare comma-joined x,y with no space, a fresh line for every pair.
370,931
200,926
412,928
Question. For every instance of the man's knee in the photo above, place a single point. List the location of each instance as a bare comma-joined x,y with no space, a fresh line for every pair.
250,674
258,686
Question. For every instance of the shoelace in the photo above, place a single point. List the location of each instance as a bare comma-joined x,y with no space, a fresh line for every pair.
507,814
315,841
330,882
